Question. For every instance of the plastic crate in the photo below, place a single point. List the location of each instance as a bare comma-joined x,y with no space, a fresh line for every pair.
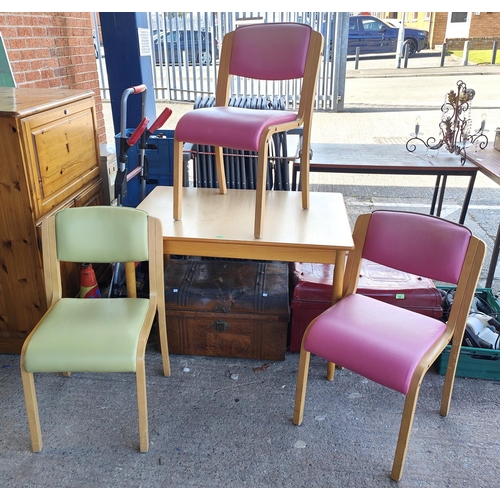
474,362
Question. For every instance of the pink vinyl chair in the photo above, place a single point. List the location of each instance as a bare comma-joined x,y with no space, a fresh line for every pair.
387,344
271,51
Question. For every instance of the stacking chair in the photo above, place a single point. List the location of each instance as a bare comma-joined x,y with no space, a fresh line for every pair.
97,334
273,51
390,345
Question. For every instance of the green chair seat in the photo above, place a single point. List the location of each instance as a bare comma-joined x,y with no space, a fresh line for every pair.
88,335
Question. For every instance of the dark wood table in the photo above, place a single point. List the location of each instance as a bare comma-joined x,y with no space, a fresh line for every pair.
391,159
488,162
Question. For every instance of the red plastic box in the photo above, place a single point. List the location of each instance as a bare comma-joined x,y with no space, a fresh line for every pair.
312,293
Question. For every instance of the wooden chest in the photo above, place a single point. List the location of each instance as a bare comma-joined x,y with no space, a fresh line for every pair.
227,308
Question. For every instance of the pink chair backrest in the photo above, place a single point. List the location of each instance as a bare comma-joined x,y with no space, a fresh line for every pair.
417,244
272,51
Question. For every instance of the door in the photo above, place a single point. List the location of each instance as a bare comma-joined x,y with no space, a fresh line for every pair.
458,25
355,38
378,37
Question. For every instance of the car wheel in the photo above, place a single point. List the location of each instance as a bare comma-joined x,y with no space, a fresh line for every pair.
411,46
204,58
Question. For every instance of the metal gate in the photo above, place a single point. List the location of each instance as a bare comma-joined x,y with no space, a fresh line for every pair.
185,50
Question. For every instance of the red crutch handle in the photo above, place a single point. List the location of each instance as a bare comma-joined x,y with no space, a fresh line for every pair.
164,116
139,88
138,132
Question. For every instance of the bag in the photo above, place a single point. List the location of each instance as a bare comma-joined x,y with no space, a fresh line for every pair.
482,329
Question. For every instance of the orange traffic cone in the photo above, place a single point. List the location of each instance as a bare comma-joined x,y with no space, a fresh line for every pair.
88,283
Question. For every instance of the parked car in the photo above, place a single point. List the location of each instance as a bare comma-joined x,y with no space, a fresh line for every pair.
374,36
186,45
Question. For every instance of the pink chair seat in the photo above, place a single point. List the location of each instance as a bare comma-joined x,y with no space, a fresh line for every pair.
381,342
230,127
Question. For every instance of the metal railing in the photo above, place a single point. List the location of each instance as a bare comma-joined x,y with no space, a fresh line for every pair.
186,69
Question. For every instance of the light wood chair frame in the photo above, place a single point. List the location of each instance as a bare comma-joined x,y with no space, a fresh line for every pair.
53,290
454,332
304,119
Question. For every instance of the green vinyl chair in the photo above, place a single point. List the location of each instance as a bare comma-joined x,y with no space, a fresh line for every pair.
98,334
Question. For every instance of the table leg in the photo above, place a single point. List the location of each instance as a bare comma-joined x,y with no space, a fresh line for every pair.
441,195
435,194
493,261
467,198
337,286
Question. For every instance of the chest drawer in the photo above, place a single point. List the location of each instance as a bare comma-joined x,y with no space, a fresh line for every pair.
61,145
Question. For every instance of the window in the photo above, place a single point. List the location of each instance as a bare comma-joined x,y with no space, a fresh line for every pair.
371,24
458,17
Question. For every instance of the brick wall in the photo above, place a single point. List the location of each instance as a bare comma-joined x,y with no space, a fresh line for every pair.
53,50
486,24
484,30
484,43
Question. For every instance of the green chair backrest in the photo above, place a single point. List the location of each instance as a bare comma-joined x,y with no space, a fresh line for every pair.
102,234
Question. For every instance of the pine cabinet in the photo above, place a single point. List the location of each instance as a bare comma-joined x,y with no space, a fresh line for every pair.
49,160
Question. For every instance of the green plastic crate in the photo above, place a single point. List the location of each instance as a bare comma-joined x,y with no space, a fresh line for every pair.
474,362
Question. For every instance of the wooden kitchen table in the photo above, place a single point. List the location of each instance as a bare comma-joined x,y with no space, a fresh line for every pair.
215,225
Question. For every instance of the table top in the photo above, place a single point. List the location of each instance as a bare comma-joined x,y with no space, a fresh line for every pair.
386,157
215,225
488,161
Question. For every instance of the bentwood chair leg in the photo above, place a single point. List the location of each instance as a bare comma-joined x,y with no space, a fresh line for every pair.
404,434
142,406
178,173
32,409
221,174
330,371
300,391
260,194
158,285
162,327
449,379
304,168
